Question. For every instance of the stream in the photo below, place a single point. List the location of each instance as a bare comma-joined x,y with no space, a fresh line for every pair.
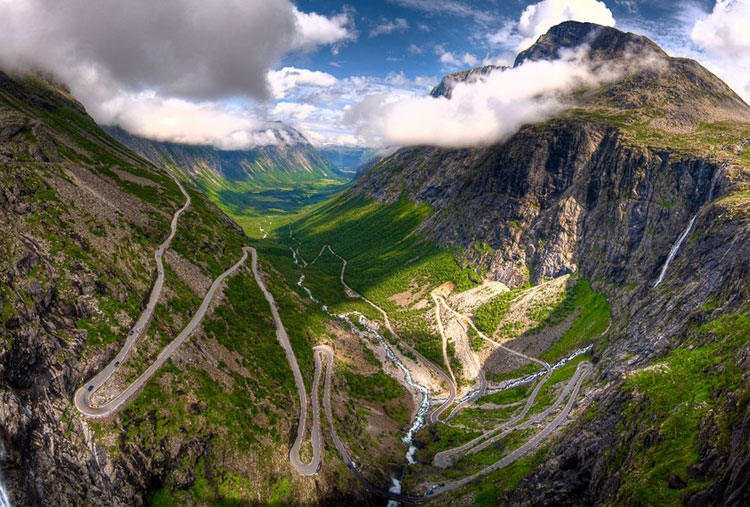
418,422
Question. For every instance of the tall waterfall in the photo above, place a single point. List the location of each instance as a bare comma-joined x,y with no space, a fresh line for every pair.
4,500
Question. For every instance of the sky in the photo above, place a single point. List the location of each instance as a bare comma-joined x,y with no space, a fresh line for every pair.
344,74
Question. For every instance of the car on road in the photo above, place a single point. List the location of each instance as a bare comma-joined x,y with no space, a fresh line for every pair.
131,332
91,388
429,491
117,363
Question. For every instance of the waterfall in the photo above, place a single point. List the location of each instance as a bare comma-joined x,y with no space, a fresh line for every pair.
675,248
4,500
673,251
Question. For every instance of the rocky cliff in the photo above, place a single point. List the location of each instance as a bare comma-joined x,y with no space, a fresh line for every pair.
605,190
80,219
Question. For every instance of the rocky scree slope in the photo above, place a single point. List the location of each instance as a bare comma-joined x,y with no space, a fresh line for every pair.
605,189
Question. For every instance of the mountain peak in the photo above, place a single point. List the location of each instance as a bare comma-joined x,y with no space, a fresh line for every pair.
605,42
446,85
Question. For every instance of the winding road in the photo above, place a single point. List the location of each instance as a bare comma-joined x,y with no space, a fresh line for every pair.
83,394
479,392
431,418
441,459
82,397
313,466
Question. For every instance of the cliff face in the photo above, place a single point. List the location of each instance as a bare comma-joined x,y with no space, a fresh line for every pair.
80,219
605,190
544,211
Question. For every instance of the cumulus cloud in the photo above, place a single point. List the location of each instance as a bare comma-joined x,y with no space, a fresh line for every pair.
478,113
723,37
389,26
726,31
177,120
185,48
537,18
316,30
285,80
294,109
168,59
452,61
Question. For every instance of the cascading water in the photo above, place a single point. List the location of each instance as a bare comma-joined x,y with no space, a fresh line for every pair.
676,247
673,251
426,403
4,500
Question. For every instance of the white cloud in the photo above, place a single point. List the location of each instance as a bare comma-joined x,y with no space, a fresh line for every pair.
285,80
387,27
413,49
724,38
726,31
447,7
167,69
483,112
537,18
469,60
177,120
316,30
295,110
451,61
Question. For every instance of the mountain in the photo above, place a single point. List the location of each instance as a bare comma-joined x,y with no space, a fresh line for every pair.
81,221
561,318
445,87
252,184
637,195
345,158
291,161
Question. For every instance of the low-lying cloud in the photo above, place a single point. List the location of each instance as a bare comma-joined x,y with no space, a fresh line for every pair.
180,121
171,69
479,113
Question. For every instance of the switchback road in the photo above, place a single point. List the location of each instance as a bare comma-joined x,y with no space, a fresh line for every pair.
82,395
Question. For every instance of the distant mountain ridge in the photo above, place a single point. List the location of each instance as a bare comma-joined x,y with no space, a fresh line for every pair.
347,158
292,161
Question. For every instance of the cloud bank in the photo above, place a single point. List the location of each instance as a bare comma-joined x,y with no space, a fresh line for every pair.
148,66
481,112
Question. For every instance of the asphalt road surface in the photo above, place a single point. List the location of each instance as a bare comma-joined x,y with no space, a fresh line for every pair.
83,394
281,334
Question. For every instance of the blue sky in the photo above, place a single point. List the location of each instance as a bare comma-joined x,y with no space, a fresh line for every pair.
459,27
342,73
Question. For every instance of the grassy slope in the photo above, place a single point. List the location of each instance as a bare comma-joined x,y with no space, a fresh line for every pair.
228,410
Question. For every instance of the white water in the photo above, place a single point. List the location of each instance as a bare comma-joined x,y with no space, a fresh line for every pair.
525,380
396,488
426,403
676,247
673,251
4,500
423,409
